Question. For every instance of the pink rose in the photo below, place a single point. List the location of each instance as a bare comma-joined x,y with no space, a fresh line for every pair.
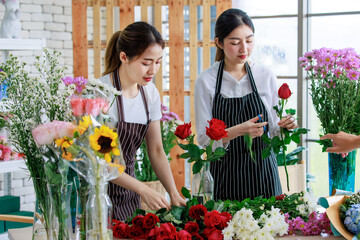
77,106
48,132
93,106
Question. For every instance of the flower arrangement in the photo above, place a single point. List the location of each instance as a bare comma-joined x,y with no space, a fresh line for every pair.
168,124
350,214
6,152
335,88
258,218
202,185
278,143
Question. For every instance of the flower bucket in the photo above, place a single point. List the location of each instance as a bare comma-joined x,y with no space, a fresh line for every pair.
342,172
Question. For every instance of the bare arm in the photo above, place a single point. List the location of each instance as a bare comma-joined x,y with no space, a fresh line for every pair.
342,142
159,162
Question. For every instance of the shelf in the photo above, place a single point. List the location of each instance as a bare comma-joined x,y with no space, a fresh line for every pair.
22,44
12,166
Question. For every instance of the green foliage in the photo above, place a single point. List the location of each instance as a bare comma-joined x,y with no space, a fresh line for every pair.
291,158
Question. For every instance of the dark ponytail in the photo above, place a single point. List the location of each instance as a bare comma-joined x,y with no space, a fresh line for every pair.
226,23
133,41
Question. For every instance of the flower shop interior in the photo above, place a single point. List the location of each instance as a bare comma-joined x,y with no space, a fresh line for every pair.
72,35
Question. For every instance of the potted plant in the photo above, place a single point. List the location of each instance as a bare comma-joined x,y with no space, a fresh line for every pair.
143,169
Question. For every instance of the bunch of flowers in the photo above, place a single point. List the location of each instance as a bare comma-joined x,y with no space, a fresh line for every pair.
278,143
350,213
259,218
6,152
168,124
335,87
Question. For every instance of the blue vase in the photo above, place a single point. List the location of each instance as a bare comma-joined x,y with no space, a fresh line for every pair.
342,172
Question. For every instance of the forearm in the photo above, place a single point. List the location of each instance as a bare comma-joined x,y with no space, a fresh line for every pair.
233,132
128,182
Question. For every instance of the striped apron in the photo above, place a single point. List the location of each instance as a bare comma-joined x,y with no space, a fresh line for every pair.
237,176
131,135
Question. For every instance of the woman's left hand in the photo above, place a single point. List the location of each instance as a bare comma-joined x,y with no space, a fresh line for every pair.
288,122
177,200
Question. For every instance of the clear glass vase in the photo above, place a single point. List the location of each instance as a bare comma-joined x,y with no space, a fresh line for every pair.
60,218
82,192
99,212
203,185
342,172
41,230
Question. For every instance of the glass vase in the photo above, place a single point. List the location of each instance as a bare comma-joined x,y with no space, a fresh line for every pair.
99,212
82,192
203,185
41,230
60,218
342,172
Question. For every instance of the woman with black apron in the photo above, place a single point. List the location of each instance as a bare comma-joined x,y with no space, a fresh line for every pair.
240,94
132,58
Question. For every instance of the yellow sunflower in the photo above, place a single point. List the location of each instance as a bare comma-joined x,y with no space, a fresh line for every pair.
104,141
84,124
64,143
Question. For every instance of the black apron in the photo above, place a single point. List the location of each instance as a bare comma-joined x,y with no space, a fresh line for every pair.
237,176
131,135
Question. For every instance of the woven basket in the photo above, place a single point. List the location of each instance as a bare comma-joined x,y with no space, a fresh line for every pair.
158,187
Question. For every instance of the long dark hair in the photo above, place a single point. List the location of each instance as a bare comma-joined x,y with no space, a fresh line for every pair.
133,41
226,23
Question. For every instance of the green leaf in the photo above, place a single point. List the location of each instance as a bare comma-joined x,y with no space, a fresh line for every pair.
194,151
275,141
290,111
142,212
266,152
266,139
176,211
183,146
220,151
185,192
160,211
185,155
295,138
210,205
197,167
302,130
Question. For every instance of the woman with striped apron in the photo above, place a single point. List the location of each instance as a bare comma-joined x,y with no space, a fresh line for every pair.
238,176
228,91
133,56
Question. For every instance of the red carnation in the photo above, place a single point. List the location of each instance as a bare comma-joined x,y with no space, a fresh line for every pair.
196,212
216,129
284,91
183,131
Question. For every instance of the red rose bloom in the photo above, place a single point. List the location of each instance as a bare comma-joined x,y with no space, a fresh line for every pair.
150,220
212,219
192,227
167,231
213,234
284,91
225,218
119,229
280,197
135,232
216,129
196,212
138,221
153,233
183,235
183,131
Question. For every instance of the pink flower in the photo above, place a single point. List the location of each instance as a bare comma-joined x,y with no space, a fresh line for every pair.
93,106
48,132
77,106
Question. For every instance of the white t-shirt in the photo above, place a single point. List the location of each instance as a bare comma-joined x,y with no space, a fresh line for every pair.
134,109
204,94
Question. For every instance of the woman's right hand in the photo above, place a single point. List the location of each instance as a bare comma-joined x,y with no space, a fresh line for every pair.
153,199
252,128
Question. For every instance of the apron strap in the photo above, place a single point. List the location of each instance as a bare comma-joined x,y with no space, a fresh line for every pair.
219,77
251,78
145,104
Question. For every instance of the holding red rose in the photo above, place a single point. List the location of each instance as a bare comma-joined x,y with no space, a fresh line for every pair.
284,91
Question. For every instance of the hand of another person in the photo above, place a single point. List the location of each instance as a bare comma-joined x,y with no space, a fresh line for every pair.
252,128
288,122
342,142
153,199
177,200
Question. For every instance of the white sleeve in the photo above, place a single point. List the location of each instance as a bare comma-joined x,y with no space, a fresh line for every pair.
154,103
274,128
203,100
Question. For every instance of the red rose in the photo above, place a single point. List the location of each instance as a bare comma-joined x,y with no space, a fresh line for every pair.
284,91
216,129
138,221
213,234
225,218
119,229
183,131
135,232
183,235
280,197
167,231
150,220
192,227
212,219
153,233
196,212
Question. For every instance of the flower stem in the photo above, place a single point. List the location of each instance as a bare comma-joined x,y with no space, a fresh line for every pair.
283,145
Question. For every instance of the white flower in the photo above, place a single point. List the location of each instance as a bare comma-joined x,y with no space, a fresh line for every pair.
302,209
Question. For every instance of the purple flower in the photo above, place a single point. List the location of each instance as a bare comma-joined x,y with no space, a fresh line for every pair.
79,82
1,70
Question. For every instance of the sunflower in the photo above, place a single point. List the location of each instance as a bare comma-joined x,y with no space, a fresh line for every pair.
104,141
84,124
65,143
